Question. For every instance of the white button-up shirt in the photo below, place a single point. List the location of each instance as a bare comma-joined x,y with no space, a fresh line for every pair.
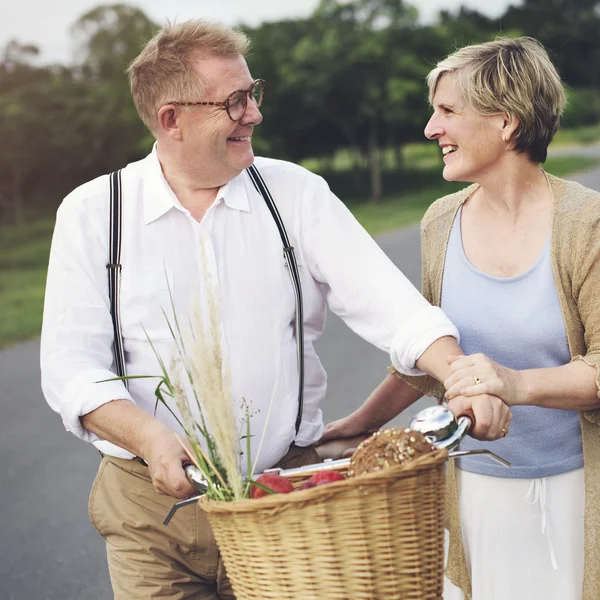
239,244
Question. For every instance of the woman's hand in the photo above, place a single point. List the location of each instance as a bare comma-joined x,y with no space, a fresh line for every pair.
348,427
478,374
341,448
491,417
341,438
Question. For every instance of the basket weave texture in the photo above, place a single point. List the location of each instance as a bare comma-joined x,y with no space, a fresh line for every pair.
379,536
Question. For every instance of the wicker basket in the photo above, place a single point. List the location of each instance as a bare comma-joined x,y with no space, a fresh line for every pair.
378,536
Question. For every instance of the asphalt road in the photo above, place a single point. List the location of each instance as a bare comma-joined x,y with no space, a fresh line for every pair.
48,549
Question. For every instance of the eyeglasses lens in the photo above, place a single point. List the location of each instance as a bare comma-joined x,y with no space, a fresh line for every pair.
238,101
257,93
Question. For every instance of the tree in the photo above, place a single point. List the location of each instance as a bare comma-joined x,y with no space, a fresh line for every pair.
44,112
109,38
569,31
20,123
288,129
349,78
67,125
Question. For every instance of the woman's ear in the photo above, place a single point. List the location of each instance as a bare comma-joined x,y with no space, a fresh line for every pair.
168,121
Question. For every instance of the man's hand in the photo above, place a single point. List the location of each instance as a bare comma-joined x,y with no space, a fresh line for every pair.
128,426
490,415
165,457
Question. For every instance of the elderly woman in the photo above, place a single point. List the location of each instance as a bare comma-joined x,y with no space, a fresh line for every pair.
514,261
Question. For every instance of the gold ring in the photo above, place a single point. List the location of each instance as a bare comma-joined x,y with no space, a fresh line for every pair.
504,432
476,380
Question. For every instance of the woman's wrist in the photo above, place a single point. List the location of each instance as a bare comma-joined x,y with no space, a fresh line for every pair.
361,421
524,388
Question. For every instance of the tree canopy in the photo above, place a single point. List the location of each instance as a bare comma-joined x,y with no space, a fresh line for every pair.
350,76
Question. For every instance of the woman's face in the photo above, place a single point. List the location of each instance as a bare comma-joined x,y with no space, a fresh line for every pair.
472,144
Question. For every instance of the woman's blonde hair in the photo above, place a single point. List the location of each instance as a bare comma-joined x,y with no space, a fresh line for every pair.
515,76
164,69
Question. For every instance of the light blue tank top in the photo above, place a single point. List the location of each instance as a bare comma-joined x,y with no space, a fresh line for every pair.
517,322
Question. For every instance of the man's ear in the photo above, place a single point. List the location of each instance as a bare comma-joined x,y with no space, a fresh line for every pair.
168,121
510,124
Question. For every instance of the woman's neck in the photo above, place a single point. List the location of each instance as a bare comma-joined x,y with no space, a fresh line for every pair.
512,187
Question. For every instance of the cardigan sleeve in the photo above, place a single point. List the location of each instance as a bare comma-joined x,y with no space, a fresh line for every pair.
586,288
427,385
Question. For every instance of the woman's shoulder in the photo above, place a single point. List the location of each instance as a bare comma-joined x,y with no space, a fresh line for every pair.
577,205
444,208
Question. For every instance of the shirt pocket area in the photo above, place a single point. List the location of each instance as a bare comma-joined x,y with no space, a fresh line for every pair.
145,305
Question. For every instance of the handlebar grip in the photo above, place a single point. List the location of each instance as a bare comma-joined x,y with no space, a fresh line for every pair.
195,477
467,422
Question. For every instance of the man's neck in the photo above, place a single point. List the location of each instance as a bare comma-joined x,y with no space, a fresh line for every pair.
193,189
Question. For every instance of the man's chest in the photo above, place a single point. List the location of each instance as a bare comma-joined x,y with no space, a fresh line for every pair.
175,265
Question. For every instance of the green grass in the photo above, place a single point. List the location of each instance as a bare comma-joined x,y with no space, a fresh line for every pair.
577,136
417,155
23,261
24,250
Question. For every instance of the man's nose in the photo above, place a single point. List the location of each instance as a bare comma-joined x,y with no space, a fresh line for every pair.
252,116
433,129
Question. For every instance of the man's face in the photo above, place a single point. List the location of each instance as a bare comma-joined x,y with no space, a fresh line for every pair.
221,147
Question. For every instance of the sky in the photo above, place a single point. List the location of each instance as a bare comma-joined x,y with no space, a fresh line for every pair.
46,24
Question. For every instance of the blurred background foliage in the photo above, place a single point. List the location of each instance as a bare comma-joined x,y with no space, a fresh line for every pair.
345,93
345,97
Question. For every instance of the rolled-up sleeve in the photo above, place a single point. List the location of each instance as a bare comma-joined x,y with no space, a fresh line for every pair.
364,287
76,342
423,328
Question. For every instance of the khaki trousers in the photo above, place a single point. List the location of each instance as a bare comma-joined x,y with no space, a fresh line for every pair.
147,559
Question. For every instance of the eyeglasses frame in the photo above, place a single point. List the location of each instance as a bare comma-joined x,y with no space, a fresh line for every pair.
225,103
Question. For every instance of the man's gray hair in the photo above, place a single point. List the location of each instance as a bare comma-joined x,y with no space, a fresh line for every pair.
164,69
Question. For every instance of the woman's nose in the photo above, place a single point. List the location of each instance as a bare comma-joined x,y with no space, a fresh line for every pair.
433,129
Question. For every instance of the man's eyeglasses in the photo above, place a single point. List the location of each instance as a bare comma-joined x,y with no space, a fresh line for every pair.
236,103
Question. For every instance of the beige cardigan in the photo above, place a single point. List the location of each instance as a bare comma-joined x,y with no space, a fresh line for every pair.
575,248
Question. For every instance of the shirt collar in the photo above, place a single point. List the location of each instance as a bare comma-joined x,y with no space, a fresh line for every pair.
234,194
159,198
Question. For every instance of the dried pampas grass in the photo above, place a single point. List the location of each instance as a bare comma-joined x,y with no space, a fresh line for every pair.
198,382
211,379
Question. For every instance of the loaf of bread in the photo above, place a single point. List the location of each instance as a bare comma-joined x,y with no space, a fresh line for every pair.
388,448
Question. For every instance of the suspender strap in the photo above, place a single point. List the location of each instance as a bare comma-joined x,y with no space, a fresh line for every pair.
114,275
114,270
290,259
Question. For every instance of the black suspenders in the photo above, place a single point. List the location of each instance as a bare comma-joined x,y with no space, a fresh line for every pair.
292,265
114,275
114,270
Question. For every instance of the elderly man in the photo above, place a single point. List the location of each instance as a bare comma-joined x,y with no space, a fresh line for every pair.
190,209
